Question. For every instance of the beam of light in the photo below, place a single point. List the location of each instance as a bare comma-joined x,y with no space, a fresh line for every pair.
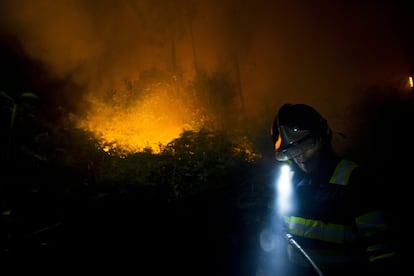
410,81
272,242
284,189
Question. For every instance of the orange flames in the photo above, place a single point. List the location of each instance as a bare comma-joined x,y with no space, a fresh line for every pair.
131,123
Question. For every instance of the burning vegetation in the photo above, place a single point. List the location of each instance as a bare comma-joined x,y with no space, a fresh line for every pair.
128,123
147,115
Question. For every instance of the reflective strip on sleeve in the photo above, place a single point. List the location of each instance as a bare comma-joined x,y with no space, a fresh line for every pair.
316,229
370,224
342,172
379,252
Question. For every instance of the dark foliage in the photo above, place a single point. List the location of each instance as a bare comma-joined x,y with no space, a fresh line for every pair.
64,199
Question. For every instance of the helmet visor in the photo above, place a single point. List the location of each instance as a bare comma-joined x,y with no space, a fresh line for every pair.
294,149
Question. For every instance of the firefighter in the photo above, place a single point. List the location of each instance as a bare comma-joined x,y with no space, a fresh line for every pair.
335,217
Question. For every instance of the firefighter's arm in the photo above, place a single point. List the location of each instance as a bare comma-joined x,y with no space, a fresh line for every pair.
373,229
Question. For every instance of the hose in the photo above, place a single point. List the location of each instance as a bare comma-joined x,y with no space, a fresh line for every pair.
292,241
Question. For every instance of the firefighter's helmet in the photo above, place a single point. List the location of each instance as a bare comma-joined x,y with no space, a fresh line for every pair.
296,128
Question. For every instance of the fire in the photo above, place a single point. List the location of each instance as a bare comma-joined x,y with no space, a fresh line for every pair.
130,123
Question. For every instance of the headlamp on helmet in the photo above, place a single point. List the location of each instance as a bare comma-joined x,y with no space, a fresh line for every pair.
297,128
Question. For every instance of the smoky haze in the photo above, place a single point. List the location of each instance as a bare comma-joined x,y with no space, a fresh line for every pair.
325,53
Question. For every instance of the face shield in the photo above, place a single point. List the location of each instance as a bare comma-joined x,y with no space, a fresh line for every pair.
293,142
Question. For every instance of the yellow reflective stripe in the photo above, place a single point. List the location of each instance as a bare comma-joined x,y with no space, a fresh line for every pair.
370,223
376,247
342,172
379,251
382,256
316,229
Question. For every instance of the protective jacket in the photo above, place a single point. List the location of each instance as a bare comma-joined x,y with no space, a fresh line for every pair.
334,219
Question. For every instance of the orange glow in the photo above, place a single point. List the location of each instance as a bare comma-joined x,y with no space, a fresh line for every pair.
149,122
410,81
278,143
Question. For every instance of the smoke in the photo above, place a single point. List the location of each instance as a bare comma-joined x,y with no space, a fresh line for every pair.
325,53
